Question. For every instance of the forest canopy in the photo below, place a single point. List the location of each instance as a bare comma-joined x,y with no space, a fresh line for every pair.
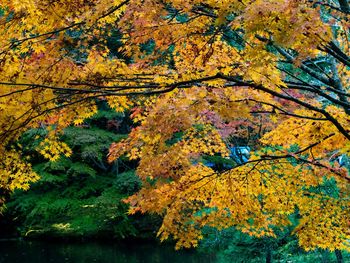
200,79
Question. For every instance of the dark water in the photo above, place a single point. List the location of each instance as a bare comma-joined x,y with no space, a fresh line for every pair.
48,252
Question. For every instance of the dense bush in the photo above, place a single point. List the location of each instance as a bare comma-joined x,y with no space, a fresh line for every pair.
81,196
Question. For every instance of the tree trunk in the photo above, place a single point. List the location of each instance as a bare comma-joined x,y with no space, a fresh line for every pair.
339,256
268,255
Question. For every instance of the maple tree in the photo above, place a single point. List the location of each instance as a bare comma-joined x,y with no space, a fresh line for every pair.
195,73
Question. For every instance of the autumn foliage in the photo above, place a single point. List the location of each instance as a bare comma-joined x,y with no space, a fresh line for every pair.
200,77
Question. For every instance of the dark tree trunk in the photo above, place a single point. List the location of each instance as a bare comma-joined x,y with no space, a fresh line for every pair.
339,256
268,255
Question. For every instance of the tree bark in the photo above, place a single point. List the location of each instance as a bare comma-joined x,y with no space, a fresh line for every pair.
339,256
268,255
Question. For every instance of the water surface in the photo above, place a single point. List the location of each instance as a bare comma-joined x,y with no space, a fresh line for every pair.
53,252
